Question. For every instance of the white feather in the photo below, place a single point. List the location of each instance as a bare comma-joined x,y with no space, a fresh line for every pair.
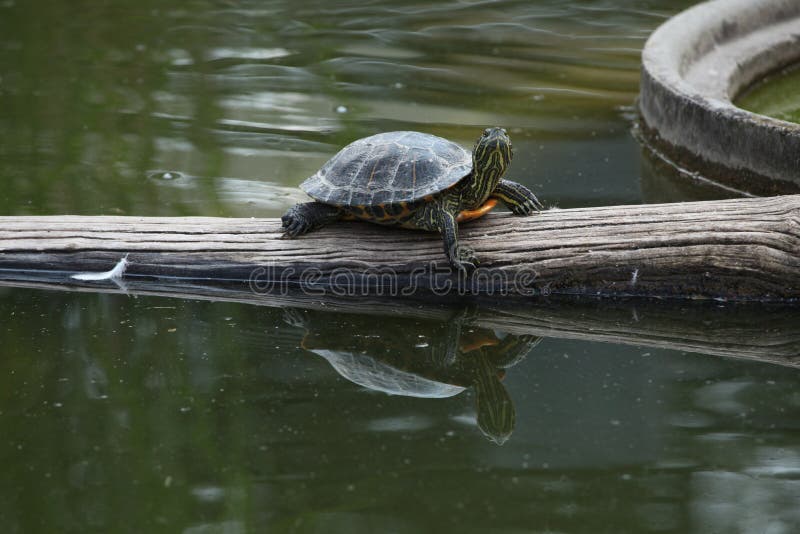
114,274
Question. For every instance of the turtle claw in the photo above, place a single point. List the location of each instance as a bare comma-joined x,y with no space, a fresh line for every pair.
527,207
464,268
294,223
518,198
294,230
465,261
294,317
302,218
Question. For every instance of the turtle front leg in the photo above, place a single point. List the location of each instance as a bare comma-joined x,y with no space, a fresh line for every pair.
518,198
461,258
493,404
302,218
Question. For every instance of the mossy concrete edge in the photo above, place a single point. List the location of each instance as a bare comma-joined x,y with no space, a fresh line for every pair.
695,65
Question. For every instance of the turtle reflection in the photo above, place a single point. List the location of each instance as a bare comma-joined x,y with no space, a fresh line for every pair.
420,358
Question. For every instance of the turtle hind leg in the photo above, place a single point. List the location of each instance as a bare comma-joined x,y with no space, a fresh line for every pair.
518,198
303,218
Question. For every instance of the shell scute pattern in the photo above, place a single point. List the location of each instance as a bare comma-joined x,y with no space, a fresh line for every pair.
389,168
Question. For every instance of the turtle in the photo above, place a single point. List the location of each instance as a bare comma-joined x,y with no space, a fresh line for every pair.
413,180
424,359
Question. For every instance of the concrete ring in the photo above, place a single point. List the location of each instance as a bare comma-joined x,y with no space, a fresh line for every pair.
695,65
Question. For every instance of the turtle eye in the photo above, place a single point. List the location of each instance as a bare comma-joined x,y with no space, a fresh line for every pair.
487,131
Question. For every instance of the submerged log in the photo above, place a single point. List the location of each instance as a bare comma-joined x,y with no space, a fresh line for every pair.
741,249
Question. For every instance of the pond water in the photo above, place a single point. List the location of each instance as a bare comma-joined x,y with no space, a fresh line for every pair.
134,412
777,96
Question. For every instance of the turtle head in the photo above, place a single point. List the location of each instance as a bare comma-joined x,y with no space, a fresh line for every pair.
490,160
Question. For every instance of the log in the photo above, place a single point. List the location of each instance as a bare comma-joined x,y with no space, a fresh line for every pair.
741,249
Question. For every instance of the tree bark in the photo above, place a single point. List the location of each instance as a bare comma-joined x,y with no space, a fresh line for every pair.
741,249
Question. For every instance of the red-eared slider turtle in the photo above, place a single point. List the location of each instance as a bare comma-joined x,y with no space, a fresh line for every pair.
413,180
426,359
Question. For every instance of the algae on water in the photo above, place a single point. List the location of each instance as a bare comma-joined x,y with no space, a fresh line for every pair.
777,96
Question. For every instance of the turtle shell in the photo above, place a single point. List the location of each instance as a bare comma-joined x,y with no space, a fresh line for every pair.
372,373
389,168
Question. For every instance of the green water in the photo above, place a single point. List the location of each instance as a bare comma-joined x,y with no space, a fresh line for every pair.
778,96
134,413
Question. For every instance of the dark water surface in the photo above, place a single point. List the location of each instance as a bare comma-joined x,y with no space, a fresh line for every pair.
142,413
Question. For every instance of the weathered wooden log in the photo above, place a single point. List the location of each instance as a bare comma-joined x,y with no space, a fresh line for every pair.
730,249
